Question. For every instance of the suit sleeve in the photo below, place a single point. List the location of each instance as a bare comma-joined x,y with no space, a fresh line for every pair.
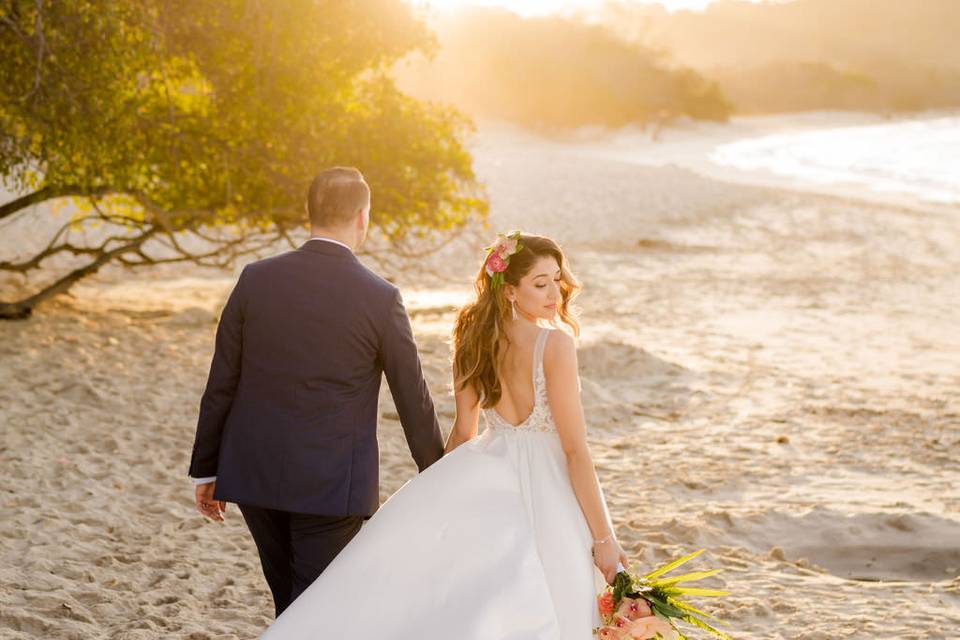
401,364
221,386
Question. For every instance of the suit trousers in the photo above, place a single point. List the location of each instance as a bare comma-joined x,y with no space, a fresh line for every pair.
295,548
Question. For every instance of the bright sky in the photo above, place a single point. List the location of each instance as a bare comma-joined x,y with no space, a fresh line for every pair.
541,7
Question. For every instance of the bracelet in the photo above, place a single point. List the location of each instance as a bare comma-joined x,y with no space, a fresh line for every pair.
607,539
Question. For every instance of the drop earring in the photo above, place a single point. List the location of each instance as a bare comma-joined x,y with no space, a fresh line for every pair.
513,308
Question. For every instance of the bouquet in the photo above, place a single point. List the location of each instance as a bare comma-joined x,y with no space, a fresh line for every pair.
638,608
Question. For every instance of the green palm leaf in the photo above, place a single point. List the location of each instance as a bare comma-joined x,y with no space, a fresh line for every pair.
680,604
694,591
673,565
687,577
706,627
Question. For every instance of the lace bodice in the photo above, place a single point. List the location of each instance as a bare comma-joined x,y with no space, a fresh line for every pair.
540,418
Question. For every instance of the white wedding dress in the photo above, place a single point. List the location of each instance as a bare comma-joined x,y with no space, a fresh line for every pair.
488,543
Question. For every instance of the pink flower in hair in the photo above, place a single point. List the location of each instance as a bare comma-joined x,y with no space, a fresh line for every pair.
508,246
498,256
496,263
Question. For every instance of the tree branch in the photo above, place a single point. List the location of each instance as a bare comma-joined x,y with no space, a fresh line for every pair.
44,194
23,308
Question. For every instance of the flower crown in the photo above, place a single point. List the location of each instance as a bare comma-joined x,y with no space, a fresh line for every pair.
498,256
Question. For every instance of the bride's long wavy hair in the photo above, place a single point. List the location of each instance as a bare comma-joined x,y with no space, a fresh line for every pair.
479,335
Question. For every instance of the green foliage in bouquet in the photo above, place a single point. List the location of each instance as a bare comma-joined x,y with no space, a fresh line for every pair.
666,599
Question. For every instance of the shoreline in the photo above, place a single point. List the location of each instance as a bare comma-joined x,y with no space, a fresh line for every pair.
688,143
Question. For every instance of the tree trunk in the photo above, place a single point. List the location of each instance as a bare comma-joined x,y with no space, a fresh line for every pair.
21,309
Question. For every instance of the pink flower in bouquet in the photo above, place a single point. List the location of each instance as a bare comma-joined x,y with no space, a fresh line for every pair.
648,627
606,603
612,633
495,263
620,621
633,608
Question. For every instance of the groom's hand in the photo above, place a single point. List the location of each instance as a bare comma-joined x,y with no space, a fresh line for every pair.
206,505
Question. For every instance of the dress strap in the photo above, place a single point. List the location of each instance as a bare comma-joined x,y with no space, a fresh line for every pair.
538,353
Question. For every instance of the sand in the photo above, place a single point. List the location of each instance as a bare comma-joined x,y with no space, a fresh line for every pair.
769,374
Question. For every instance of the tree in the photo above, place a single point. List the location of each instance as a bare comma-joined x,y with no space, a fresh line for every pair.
188,130
553,74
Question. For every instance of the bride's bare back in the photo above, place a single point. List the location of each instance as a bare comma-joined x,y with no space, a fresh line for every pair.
515,371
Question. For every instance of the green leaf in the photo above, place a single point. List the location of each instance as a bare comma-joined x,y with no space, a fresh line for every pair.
666,609
706,627
694,591
687,577
673,565
622,586
686,606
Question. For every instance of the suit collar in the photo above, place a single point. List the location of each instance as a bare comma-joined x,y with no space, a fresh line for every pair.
321,245
329,239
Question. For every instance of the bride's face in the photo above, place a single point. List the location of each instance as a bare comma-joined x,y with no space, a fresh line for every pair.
538,292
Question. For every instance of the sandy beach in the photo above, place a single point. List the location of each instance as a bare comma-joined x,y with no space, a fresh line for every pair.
768,373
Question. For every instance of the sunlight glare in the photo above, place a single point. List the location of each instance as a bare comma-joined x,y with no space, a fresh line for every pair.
544,7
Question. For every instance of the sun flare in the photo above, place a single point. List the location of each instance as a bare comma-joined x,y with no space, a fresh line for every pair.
544,7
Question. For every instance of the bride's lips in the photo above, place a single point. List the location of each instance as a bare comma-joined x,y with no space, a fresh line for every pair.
551,306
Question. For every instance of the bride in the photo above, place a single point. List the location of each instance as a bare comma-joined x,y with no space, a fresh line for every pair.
507,536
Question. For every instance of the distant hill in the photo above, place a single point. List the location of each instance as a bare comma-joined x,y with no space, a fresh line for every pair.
554,73
810,54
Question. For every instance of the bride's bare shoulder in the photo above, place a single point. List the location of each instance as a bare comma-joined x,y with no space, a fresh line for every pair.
559,351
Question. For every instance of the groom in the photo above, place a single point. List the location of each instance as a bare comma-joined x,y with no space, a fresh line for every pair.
288,421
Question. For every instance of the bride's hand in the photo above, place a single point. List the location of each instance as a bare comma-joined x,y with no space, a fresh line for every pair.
606,555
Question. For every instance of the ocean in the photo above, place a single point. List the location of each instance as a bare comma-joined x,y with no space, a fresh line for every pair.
917,158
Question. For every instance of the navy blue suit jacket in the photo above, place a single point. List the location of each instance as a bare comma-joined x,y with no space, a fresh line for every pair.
288,419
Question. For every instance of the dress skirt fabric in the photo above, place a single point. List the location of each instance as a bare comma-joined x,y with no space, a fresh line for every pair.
487,543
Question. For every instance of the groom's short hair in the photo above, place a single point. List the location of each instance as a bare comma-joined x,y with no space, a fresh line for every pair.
336,195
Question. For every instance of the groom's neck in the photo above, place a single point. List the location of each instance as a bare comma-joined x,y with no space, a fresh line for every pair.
346,236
